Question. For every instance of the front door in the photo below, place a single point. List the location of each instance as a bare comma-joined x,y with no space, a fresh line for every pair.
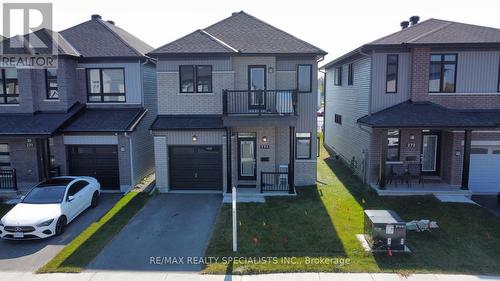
430,153
247,158
257,85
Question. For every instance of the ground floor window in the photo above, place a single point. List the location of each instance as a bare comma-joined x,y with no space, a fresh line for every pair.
303,145
4,156
393,137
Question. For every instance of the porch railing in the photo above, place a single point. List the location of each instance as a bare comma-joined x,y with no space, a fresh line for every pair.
274,181
8,179
259,102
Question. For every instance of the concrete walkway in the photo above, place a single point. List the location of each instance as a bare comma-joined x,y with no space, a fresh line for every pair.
154,276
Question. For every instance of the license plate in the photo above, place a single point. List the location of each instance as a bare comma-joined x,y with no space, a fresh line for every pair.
18,235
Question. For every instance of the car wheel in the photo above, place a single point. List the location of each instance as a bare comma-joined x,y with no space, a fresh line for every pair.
60,225
95,200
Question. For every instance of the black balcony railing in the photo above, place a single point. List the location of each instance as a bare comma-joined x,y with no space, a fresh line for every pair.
8,179
274,181
260,102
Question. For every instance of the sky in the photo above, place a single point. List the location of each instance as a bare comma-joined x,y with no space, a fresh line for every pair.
335,26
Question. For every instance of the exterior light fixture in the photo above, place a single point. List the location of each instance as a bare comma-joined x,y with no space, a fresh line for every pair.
195,138
271,69
122,148
264,139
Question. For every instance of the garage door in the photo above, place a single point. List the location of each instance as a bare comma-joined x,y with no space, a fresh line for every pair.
195,167
99,161
484,176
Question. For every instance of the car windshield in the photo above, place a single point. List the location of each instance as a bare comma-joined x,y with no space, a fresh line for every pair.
45,195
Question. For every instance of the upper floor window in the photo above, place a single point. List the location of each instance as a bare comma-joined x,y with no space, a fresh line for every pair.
338,119
106,85
393,139
51,83
350,74
195,78
337,76
9,86
391,77
304,78
443,73
303,145
4,156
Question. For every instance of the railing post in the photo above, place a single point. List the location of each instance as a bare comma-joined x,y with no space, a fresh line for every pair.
224,102
14,178
261,182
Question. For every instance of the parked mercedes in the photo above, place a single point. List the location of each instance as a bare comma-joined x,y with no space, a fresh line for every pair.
49,207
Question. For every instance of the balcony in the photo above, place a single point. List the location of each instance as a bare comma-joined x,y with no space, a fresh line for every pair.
259,102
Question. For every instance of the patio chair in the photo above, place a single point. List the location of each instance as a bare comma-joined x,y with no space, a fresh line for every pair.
398,172
415,172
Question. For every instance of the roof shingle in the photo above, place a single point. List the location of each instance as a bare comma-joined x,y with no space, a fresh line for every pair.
241,33
105,120
187,122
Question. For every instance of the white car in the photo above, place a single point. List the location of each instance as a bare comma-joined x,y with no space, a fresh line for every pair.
49,207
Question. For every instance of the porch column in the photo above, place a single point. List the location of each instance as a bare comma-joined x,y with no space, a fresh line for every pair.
229,164
291,165
466,164
383,158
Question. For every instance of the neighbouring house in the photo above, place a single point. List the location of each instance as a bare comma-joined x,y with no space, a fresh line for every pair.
89,115
236,107
424,100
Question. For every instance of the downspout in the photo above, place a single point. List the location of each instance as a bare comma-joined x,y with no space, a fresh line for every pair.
131,155
324,99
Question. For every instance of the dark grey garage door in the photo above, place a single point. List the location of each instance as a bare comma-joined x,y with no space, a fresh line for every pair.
195,167
99,161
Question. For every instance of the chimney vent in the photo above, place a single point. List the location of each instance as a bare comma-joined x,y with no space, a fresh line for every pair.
414,20
404,24
96,17
111,22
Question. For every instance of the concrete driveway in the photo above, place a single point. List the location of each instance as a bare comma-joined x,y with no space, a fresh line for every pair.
489,202
170,229
30,255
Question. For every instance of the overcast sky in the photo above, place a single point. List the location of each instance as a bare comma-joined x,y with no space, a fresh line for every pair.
335,26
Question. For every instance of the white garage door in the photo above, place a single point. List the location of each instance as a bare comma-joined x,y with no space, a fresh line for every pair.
484,176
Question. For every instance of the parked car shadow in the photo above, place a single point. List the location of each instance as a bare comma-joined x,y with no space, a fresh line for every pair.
29,255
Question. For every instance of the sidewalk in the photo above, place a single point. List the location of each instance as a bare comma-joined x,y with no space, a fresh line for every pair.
153,276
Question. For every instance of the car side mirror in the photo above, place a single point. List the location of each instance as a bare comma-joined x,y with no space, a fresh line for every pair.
70,198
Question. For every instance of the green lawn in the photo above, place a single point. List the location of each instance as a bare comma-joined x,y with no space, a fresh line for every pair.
322,222
75,256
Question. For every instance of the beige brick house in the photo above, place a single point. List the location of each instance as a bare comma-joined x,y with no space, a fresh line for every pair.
422,102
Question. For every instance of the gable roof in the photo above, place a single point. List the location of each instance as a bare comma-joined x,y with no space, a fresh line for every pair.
240,33
38,42
99,38
432,32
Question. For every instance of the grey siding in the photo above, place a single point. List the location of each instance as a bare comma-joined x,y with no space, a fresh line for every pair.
142,141
477,72
349,140
133,82
380,99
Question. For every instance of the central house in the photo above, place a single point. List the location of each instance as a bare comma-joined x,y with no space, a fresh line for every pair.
237,107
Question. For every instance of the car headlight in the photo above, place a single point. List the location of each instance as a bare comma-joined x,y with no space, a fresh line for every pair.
45,223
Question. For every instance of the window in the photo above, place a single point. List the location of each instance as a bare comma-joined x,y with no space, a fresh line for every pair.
106,85
443,73
393,137
4,156
303,146
338,119
350,74
304,78
51,83
337,76
391,77
9,87
199,75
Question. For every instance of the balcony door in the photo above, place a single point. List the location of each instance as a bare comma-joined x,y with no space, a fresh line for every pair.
256,84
